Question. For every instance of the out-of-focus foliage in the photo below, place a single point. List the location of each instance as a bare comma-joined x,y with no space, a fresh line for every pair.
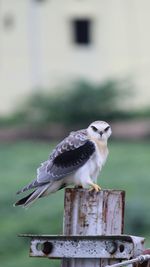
81,103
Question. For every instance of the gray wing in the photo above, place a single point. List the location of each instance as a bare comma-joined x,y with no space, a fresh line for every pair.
72,153
67,157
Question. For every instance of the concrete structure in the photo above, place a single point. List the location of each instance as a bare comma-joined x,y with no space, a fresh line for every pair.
41,45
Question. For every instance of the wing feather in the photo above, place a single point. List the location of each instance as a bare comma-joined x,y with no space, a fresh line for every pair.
72,153
70,161
67,157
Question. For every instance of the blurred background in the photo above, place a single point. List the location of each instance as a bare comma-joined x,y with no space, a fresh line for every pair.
63,65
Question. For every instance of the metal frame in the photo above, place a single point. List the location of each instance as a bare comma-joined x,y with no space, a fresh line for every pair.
94,247
92,232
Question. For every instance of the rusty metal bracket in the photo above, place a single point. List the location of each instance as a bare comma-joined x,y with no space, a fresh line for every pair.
110,247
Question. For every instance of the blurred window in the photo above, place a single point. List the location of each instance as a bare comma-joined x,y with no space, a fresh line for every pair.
40,1
81,31
8,21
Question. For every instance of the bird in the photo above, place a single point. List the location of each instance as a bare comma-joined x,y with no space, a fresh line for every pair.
77,160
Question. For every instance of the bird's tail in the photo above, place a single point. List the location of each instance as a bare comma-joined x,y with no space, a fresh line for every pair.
29,199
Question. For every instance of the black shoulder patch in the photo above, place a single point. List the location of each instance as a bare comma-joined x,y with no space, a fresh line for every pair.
75,157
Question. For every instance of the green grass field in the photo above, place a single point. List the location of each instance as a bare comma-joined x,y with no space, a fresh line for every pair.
127,168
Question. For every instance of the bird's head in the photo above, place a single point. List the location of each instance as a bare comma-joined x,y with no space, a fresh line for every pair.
99,130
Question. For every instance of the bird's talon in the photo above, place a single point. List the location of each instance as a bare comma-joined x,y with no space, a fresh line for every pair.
95,187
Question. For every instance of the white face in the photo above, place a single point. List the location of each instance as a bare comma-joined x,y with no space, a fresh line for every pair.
100,130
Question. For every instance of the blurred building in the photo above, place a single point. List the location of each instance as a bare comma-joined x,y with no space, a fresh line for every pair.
45,43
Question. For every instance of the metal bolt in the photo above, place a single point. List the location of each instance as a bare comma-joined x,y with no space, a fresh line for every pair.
47,247
112,247
121,248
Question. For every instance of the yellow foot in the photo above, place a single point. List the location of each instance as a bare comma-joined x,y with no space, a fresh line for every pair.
95,187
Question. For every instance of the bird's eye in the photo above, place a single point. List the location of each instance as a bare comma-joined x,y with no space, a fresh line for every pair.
106,129
94,128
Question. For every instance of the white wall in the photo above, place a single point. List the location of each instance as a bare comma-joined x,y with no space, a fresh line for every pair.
37,50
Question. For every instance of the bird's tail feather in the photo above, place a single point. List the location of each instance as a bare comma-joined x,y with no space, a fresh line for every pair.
29,199
31,185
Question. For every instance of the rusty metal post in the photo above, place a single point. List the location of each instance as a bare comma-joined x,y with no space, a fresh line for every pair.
93,227
90,213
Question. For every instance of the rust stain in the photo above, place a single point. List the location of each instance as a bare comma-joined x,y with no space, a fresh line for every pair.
105,206
82,219
70,195
123,210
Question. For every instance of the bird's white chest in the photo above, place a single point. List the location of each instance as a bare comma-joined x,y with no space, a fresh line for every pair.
101,153
96,162
92,167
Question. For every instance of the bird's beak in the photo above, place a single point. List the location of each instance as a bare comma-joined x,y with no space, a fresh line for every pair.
101,133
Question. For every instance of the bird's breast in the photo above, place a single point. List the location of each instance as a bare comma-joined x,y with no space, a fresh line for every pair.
101,152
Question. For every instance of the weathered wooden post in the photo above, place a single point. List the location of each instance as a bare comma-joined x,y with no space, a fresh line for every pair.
90,213
92,231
